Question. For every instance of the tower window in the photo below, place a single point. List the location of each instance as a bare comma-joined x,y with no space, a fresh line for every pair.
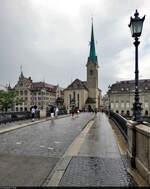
91,72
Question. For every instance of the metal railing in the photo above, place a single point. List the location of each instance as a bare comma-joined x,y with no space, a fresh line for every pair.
16,116
121,122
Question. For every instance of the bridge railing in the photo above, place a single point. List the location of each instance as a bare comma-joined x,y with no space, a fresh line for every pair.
16,116
121,122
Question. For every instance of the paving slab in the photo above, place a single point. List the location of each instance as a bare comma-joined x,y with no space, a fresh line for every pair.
96,171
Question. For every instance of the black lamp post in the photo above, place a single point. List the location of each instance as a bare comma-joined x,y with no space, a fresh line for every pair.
136,25
109,88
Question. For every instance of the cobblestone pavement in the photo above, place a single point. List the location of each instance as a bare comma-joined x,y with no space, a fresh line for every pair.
96,171
28,155
99,162
49,138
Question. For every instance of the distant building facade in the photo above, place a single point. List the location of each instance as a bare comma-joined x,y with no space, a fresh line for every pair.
121,97
85,94
40,94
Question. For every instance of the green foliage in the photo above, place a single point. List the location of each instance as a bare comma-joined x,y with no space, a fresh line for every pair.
8,98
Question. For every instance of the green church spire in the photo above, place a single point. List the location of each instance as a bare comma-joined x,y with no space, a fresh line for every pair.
92,55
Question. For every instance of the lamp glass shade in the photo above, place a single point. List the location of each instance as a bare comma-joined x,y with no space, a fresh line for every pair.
136,28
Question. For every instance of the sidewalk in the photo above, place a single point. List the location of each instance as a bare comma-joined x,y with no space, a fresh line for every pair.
94,159
20,124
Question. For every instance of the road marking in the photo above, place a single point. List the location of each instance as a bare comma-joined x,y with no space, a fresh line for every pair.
56,142
42,146
18,142
50,148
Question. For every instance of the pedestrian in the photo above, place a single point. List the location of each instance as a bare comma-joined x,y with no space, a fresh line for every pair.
33,113
78,112
95,110
73,112
56,112
52,111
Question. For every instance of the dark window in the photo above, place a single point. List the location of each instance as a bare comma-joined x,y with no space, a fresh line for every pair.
21,92
25,109
21,109
117,111
146,112
70,98
91,72
25,92
16,109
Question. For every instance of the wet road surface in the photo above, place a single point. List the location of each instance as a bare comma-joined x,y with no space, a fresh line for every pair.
32,152
99,162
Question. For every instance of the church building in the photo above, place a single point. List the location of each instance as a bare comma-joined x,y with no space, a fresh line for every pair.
85,94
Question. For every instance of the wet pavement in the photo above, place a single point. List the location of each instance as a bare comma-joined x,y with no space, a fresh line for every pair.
96,171
99,162
28,155
63,152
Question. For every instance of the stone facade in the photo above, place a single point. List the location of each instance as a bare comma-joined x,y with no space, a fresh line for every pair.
138,148
85,94
40,94
121,97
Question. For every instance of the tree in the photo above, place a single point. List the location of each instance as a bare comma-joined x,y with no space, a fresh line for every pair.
8,98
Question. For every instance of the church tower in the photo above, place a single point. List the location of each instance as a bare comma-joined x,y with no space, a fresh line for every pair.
92,73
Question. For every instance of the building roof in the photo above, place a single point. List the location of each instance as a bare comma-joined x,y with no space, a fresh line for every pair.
36,86
129,85
92,55
77,84
90,101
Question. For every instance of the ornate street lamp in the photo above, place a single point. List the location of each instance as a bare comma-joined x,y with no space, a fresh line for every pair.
136,25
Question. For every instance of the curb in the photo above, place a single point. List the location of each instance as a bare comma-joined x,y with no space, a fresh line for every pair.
60,168
26,124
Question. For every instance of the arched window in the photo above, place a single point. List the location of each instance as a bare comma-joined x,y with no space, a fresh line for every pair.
146,112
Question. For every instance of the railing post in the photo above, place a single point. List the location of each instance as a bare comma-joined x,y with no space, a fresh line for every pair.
131,143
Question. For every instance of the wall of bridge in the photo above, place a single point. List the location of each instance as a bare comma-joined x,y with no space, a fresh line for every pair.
139,148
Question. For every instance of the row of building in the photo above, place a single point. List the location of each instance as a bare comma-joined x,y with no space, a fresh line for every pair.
83,95
79,94
120,97
38,94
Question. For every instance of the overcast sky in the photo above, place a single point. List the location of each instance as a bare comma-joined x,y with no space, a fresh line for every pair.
50,38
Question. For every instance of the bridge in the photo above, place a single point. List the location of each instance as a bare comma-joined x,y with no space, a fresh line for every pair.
137,137
90,150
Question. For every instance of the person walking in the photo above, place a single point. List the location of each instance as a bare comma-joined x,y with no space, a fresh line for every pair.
52,111
56,112
73,113
33,113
